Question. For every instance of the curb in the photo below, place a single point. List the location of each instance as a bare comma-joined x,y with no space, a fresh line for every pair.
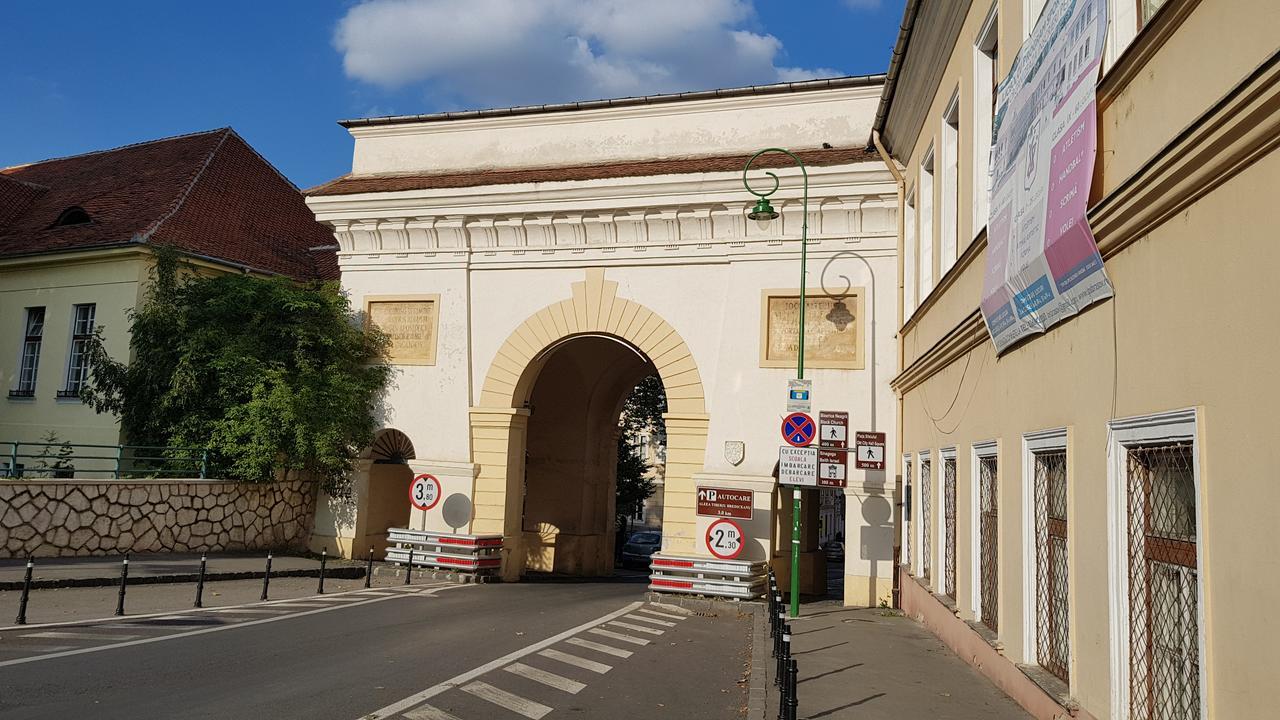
452,576
757,688
352,572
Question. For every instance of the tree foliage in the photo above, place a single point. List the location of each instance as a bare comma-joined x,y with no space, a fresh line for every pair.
269,375
641,417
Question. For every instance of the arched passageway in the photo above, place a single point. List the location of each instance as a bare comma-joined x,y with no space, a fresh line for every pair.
568,509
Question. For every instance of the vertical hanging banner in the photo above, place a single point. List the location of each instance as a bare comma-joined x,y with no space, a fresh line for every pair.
1043,264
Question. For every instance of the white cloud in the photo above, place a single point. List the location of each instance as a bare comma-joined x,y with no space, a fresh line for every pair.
501,52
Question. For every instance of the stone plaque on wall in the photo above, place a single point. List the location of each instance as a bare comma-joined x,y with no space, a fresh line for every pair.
411,323
832,333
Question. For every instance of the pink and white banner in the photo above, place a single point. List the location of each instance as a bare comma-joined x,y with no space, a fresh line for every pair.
1043,264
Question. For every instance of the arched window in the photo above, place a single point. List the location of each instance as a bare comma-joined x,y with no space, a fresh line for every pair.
74,215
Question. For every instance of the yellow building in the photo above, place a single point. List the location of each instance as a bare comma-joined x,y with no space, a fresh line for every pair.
76,241
1086,509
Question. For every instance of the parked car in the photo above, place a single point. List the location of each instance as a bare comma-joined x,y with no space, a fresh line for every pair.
640,547
834,550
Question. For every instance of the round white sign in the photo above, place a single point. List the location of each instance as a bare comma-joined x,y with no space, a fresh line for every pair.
725,539
425,492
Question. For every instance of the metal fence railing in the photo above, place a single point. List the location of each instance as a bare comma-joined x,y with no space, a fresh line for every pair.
67,460
989,538
1053,650
1164,642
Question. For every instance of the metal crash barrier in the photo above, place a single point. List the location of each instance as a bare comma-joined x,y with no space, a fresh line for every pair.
740,579
447,551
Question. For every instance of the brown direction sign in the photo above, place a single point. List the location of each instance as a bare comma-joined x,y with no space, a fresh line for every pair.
833,429
869,447
725,502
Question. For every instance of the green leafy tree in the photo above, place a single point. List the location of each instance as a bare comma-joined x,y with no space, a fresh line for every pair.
269,375
641,417
56,463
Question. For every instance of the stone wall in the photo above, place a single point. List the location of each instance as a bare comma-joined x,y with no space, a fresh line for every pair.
87,517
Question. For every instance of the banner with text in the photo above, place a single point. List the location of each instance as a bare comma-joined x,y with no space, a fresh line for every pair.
1043,264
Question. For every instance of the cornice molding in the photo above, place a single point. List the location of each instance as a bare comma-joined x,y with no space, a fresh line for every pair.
1143,48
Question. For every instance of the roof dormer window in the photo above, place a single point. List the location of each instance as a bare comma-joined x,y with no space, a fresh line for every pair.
74,215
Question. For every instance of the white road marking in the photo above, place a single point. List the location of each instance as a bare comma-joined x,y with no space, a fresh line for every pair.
659,613
600,647
201,631
637,628
253,611
549,679
502,698
77,636
44,648
376,592
619,636
683,612
427,712
655,621
585,664
418,698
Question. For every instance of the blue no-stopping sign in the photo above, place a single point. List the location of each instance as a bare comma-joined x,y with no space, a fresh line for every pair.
798,429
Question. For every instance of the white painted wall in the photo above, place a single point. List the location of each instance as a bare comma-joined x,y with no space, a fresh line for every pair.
841,117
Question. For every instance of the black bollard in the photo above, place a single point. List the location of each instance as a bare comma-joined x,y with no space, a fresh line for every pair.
324,555
266,577
368,573
793,697
124,581
26,592
408,569
200,582
784,656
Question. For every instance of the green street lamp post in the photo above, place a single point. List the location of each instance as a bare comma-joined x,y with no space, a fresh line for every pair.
763,213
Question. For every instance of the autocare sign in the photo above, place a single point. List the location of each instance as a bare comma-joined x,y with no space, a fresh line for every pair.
724,502
725,539
425,491
798,429
798,466
870,450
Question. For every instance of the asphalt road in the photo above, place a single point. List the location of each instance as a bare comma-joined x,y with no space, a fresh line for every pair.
429,652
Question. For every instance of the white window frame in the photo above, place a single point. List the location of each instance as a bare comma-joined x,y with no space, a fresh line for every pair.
910,251
1031,11
949,196
1158,428
922,457
981,450
27,339
71,346
925,211
907,531
985,71
945,454
1037,442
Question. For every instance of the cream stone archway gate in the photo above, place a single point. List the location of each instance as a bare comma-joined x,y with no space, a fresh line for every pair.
499,426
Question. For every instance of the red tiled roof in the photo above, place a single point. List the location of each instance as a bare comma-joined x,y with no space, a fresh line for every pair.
207,194
351,184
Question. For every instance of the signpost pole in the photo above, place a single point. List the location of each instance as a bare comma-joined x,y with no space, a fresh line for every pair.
764,212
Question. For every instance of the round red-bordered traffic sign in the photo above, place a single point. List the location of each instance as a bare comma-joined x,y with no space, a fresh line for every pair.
799,429
725,543
425,491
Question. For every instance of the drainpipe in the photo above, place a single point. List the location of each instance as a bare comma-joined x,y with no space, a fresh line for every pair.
902,197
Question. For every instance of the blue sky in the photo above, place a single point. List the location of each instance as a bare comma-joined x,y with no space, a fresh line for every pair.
83,75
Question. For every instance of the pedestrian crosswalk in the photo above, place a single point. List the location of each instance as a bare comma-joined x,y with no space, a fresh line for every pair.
531,684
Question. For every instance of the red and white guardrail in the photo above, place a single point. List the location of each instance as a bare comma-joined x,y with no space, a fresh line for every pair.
741,579
446,551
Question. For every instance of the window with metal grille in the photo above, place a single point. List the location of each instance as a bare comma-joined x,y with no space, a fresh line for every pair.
32,340
1164,637
907,492
1052,635
78,361
926,520
988,536
949,523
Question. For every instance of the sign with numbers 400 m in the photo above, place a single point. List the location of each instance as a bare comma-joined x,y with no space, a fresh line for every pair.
425,491
725,539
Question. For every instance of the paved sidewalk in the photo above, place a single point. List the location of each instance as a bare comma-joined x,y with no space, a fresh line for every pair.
105,570
874,664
